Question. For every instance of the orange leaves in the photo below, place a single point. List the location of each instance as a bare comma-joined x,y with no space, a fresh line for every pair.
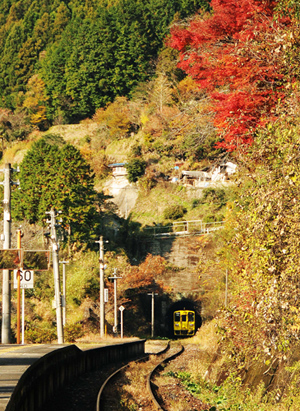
145,274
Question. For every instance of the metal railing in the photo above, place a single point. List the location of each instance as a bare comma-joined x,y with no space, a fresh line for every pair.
178,228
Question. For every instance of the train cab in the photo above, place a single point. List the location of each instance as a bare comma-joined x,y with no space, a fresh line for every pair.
184,323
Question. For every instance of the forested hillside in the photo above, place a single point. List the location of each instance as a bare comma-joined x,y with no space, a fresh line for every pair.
61,61
166,86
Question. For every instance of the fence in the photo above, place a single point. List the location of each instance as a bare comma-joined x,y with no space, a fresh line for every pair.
183,228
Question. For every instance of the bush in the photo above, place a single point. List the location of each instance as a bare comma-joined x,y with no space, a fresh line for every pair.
40,334
135,169
196,202
217,196
174,212
72,332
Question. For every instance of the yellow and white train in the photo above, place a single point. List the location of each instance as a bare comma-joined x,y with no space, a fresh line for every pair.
184,324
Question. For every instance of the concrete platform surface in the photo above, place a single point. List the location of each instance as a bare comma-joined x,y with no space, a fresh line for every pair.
14,360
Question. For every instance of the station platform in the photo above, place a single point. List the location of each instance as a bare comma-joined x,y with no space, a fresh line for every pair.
14,360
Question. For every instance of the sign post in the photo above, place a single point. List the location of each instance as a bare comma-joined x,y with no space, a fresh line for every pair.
26,278
22,279
14,259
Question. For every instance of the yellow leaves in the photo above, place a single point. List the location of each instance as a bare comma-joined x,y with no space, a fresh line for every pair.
247,317
188,88
116,117
144,119
35,100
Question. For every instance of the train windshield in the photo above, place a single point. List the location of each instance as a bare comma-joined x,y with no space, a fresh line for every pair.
183,317
177,317
191,316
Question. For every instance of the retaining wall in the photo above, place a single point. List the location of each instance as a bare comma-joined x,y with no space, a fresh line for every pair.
52,371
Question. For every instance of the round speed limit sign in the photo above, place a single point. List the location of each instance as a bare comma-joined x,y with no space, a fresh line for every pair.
26,278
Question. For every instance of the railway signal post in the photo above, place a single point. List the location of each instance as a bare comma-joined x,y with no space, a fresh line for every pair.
115,278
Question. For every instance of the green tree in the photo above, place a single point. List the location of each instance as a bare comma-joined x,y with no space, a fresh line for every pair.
135,169
54,174
113,49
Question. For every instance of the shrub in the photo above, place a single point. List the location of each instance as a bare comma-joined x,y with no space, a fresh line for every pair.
196,202
72,332
42,334
210,218
174,212
135,169
217,196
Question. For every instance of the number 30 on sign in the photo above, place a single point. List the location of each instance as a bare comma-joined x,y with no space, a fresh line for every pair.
26,279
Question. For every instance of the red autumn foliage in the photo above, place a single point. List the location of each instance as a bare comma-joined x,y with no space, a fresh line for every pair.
146,273
236,56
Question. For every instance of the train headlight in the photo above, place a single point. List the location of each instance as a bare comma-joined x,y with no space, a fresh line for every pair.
177,324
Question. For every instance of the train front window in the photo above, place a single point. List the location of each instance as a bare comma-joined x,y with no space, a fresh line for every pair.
191,316
177,317
183,317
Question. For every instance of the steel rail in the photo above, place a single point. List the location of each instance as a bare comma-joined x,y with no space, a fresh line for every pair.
150,384
99,403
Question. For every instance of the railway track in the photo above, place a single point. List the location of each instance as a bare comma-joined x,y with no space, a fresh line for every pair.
152,388
134,382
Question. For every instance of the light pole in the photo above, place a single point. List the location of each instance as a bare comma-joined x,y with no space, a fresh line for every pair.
115,278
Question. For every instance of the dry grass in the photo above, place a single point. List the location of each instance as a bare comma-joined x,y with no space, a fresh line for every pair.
16,153
206,341
74,133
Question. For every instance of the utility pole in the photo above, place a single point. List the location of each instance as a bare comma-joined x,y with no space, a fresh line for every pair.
6,290
19,234
64,291
152,312
55,248
101,262
115,278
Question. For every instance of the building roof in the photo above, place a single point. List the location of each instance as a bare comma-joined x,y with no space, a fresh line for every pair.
116,165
